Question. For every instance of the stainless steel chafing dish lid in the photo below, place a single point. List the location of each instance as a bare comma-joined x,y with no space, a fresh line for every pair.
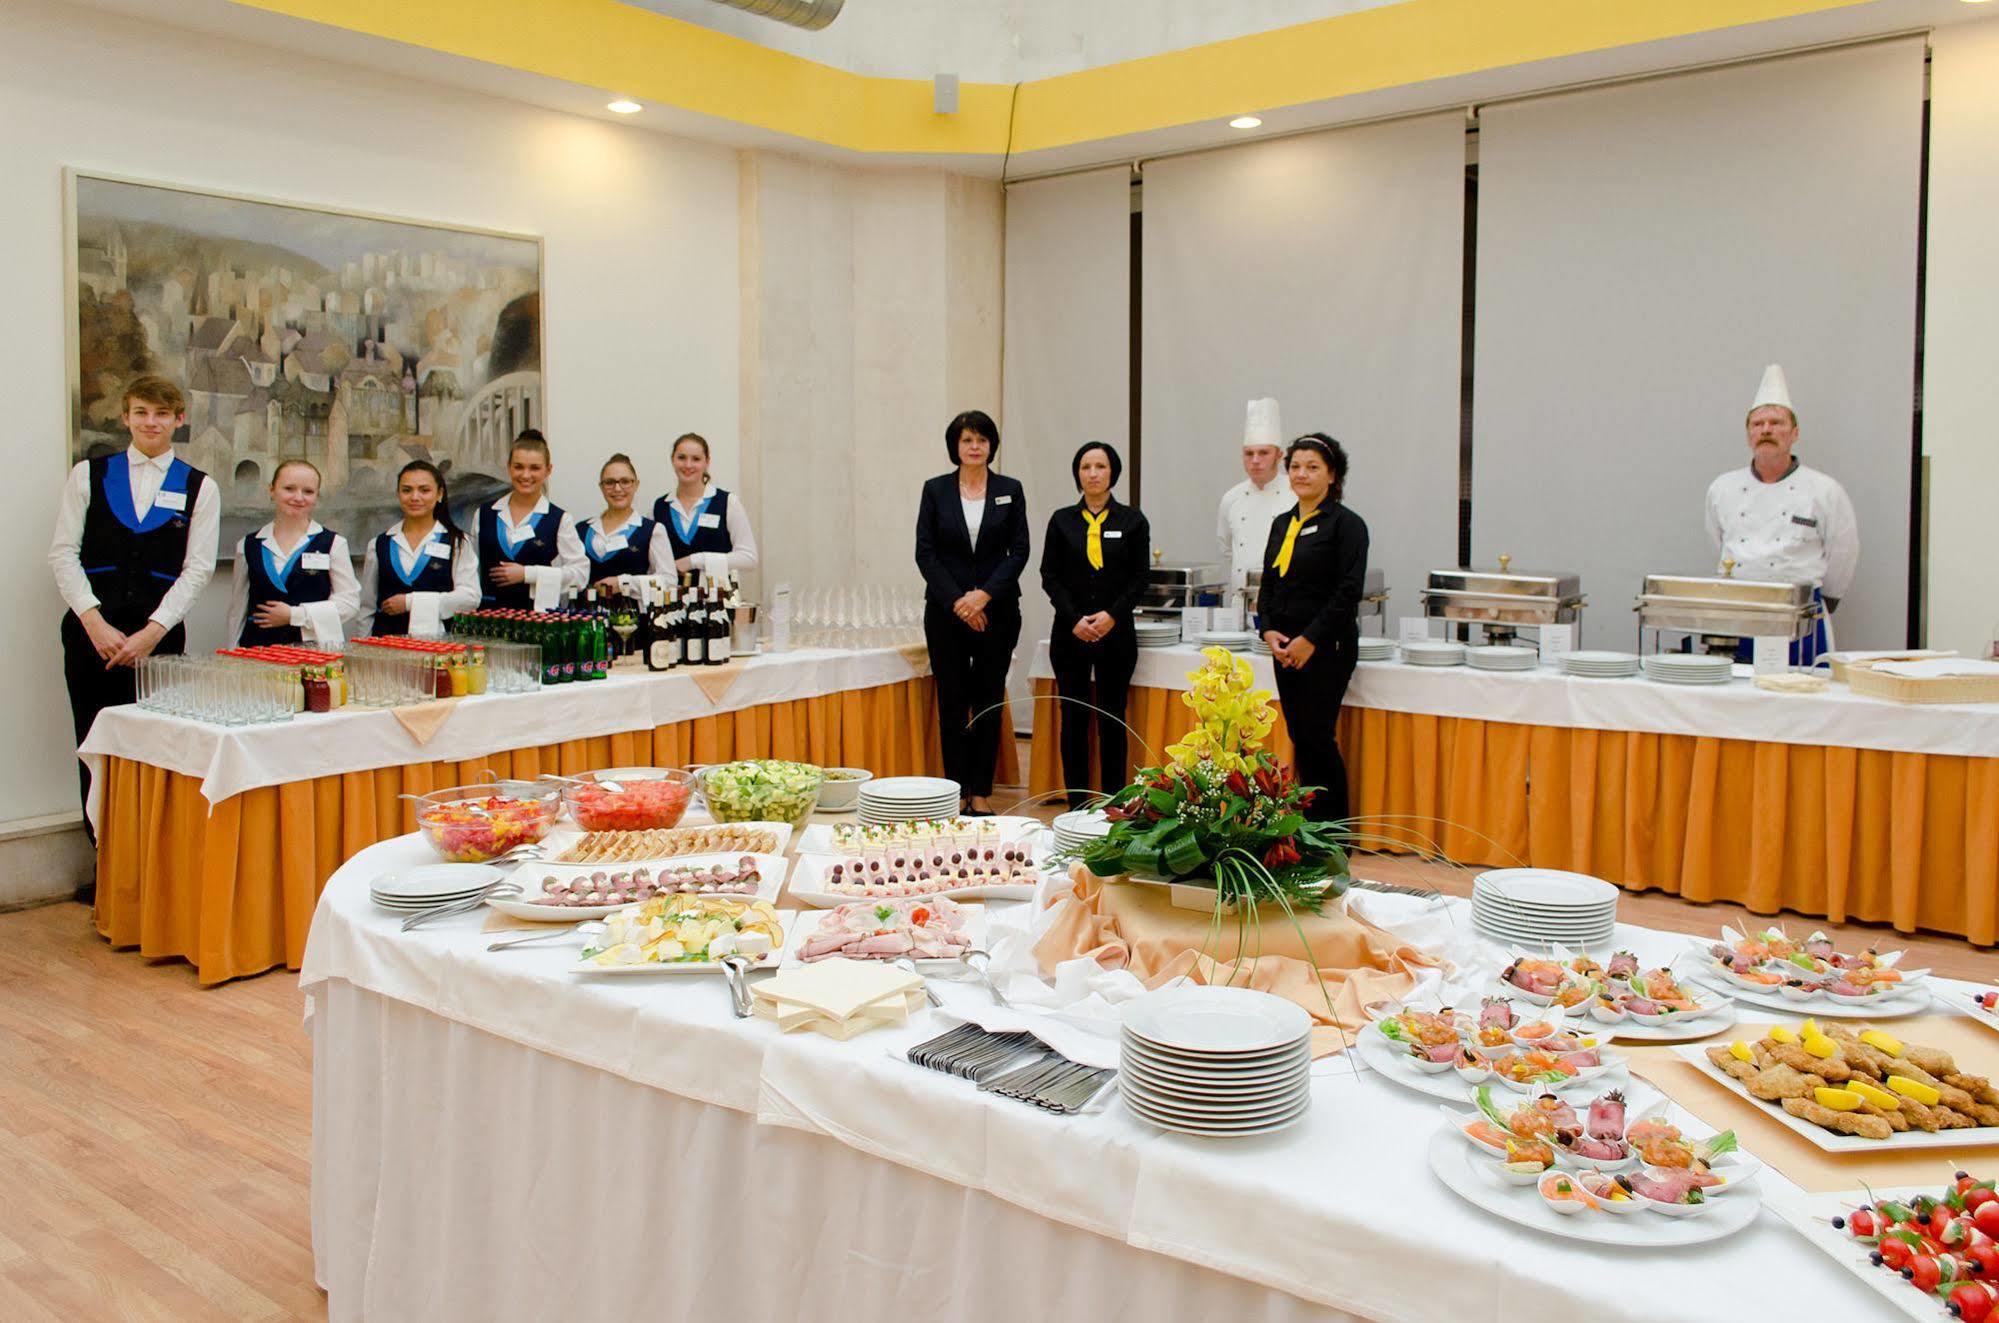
1761,594
1372,588
1182,576
1724,605
1555,585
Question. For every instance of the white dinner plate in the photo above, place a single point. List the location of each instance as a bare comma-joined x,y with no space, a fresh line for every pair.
1168,1088
1820,1137
1207,1021
1475,1179
910,787
1219,1077
1218,1130
796,935
434,883
785,920
1254,1112
1546,886
1913,1001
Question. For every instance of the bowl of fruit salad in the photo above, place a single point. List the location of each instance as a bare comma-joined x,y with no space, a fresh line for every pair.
628,798
473,824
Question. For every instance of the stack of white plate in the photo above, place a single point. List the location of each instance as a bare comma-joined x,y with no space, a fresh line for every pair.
1078,827
1235,640
1375,648
1600,665
1220,1062
1259,646
1688,668
1534,907
1502,657
907,799
431,885
1156,633
1433,652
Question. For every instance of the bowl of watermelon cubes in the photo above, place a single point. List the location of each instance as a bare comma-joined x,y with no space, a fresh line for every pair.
628,798
474,824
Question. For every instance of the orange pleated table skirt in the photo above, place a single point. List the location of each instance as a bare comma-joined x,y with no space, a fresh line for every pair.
232,889
1906,839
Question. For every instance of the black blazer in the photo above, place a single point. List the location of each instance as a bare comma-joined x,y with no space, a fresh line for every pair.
1074,586
952,563
1320,598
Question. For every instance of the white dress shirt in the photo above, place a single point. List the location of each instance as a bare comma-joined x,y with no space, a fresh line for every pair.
1242,527
742,552
1799,528
148,473
427,611
322,623
571,570
659,548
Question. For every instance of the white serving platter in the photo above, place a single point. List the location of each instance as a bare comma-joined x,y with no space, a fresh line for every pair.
559,842
1914,1001
1810,1215
808,885
809,923
1390,1060
785,921
530,876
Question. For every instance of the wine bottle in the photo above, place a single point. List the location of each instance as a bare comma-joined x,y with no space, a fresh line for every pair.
662,651
718,630
697,631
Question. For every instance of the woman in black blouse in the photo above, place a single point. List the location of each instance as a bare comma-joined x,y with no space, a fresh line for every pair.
1093,564
1309,610
971,544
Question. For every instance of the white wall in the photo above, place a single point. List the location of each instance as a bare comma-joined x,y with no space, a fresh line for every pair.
640,293
1960,385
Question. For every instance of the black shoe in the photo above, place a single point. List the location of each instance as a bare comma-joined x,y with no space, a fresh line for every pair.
87,894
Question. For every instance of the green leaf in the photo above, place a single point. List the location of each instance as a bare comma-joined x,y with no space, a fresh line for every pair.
1163,800
1290,824
1144,859
1183,853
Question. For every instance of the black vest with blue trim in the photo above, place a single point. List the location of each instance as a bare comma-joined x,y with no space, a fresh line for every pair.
131,562
301,585
432,576
537,550
632,558
704,539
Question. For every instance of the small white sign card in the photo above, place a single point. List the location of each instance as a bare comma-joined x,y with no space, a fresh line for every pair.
1414,629
1555,641
1771,656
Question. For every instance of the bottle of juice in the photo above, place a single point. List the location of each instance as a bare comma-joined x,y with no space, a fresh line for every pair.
476,669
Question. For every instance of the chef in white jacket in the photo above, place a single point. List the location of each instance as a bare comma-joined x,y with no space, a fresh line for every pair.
1242,529
1778,519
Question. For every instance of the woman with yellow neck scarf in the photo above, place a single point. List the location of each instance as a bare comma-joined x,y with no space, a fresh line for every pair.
1309,607
1093,565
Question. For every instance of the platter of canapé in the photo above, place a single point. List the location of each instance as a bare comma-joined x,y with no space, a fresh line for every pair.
1930,1252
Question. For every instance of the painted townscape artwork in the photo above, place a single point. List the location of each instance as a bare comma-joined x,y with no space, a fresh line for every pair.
358,343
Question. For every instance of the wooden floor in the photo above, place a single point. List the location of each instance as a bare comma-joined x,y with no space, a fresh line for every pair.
155,1138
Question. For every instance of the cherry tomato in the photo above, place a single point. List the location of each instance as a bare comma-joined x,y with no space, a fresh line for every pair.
1985,1257
1895,1253
1977,1197
1924,1272
1864,1224
1964,1181
1973,1301
1986,1218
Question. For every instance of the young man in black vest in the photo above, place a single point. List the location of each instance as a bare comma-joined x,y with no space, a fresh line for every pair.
134,545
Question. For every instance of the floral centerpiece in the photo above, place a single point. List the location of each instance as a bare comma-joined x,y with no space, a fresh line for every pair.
1223,809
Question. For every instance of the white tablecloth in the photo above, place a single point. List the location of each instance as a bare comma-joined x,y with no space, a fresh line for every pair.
1546,697
231,760
498,1139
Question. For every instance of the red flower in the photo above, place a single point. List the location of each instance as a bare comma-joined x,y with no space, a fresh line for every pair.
1281,853
1267,781
1115,814
1238,785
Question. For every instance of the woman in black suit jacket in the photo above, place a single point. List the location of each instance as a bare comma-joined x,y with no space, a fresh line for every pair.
971,544
1309,607
1093,565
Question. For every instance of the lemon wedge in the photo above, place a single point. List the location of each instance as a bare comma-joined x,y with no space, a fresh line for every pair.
1782,1035
1820,1046
1839,1100
1882,1042
1808,1028
1741,1051
1873,1093
1915,1089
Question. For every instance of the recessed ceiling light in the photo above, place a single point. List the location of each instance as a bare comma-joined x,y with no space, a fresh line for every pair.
624,106
1245,122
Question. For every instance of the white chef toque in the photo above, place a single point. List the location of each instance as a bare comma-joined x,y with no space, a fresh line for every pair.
1774,390
1262,426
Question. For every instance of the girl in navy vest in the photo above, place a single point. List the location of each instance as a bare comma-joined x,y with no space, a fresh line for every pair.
293,581
422,569
528,547
618,542
709,532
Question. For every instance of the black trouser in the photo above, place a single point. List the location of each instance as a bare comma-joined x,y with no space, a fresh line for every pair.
1111,659
971,680
93,687
1311,698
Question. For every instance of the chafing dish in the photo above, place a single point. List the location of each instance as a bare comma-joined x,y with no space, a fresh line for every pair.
1504,601
1176,587
1722,610
1373,597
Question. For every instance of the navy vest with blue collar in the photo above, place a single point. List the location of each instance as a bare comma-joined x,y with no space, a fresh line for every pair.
286,580
698,538
538,549
632,558
131,562
431,575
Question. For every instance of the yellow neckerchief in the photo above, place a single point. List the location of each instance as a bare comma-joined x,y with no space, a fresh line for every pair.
1094,547
1283,561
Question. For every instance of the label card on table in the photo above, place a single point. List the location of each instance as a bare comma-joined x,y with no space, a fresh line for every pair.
1771,656
1414,629
1555,641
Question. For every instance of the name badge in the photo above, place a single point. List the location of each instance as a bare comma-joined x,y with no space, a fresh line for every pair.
610,544
316,560
1002,500
436,550
1110,533
1308,530
709,521
167,500
1805,522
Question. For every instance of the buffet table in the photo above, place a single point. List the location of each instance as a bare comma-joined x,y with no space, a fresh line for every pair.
213,841
1830,804
495,1138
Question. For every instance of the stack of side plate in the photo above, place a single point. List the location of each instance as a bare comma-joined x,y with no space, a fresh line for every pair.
1688,668
1220,1062
432,885
1375,648
1502,657
1537,907
1235,640
1600,665
1258,646
907,799
1078,827
1156,633
1434,652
